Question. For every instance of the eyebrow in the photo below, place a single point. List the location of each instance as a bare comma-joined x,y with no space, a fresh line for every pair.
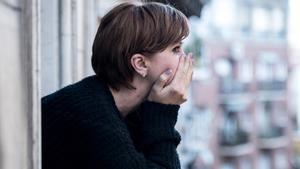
178,43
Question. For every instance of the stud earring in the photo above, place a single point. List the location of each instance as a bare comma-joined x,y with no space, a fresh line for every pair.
144,75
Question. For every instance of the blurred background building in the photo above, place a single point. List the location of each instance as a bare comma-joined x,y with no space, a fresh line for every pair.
244,106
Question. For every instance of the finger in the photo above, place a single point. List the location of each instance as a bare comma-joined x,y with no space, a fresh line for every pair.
179,72
187,63
190,68
162,80
183,71
189,75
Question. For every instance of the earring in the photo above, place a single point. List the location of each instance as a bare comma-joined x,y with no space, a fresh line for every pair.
144,75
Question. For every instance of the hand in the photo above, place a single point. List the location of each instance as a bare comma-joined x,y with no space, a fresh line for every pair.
175,92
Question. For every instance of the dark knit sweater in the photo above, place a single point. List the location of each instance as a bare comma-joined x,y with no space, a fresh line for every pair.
82,128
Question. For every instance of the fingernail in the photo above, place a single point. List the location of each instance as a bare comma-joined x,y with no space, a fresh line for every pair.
169,71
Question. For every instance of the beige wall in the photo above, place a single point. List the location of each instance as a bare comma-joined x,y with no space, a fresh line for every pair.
12,98
19,119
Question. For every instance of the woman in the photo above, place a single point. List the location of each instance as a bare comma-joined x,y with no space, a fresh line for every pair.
124,116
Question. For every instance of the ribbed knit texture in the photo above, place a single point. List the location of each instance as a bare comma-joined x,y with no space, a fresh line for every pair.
83,129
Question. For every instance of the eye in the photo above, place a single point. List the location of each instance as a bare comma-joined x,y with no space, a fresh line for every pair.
177,49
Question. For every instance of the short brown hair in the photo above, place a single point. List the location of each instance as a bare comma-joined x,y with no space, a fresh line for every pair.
129,29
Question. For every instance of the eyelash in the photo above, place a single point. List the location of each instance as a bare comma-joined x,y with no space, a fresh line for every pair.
176,49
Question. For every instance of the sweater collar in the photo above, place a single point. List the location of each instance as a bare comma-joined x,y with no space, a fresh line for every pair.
102,90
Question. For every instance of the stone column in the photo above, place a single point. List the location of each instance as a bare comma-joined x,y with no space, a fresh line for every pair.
19,85
49,46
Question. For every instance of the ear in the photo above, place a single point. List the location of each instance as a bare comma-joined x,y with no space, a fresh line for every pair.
139,64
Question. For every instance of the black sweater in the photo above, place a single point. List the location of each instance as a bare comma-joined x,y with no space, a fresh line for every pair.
82,128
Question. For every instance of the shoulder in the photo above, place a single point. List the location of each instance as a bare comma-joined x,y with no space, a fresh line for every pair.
82,92
88,97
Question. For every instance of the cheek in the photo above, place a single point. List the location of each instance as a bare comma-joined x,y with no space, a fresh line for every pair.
163,64
169,63
172,64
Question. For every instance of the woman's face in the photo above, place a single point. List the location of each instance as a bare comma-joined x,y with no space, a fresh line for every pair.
162,61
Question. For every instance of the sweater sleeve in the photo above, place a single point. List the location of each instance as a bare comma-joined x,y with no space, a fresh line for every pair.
158,133
112,146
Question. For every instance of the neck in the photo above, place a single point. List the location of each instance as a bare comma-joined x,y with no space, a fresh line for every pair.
128,99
